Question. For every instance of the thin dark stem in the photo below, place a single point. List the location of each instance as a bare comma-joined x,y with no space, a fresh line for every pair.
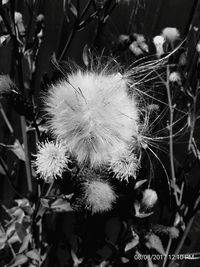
70,38
85,9
35,125
102,21
133,13
79,21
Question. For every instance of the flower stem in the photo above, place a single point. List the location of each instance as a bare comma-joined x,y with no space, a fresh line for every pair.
189,225
6,120
27,162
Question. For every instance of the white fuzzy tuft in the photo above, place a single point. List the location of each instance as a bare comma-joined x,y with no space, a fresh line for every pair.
159,41
175,77
93,114
125,165
150,198
170,34
99,196
51,160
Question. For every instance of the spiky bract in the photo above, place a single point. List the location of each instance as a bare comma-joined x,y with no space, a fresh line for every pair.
125,165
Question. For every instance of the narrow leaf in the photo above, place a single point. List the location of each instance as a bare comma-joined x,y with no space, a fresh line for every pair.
20,230
133,243
61,205
85,55
25,243
139,183
19,260
33,254
73,9
4,39
154,242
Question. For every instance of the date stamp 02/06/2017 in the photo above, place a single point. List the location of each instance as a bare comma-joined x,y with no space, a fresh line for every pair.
162,257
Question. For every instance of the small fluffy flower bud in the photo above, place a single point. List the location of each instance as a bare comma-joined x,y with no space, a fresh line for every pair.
19,22
159,41
51,160
173,232
99,196
170,34
174,77
198,47
123,41
183,59
40,18
149,198
124,166
18,17
135,49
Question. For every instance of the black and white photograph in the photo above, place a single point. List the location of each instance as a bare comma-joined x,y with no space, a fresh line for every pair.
99,133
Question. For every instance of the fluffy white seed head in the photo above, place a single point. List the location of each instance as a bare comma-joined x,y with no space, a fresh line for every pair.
159,41
173,232
171,34
18,17
175,77
93,114
124,165
51,160
99,196
198,47
149,198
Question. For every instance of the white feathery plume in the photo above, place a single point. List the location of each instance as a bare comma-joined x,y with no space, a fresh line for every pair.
159,41
150,198
51,160
99,196
198,47
171,34
175,77
93,114
124,165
